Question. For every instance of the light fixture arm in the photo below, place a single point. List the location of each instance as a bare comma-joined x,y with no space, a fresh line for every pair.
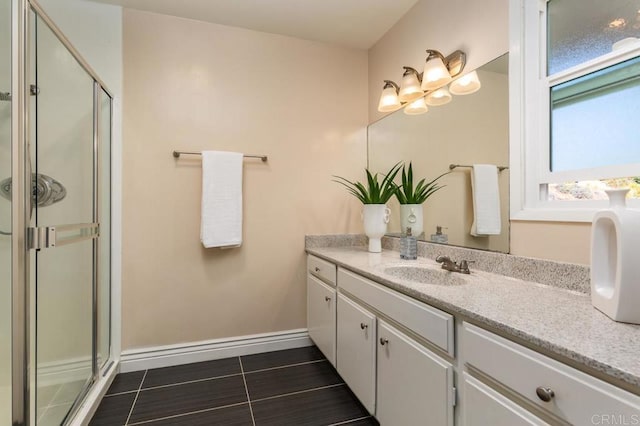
389,83
409,70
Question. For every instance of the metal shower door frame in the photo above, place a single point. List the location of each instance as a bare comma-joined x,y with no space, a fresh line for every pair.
21,314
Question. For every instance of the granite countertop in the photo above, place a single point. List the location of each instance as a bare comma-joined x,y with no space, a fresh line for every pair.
560,322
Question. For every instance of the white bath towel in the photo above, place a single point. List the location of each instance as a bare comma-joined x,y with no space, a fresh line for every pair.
221,224
486,200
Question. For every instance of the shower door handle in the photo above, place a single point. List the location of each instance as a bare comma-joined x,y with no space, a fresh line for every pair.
42,237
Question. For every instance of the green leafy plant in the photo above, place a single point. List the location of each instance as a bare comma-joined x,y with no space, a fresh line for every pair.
407,194
374,192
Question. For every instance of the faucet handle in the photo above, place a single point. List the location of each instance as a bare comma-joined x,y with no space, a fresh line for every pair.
464,266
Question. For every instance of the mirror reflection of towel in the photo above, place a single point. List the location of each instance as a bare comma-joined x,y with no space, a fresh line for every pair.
486,200
221,224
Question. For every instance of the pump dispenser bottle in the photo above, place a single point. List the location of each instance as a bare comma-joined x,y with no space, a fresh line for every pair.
439,237
408,246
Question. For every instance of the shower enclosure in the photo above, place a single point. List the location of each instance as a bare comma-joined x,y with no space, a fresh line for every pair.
55,210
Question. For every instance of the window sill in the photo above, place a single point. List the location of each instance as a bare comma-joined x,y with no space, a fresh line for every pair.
555,215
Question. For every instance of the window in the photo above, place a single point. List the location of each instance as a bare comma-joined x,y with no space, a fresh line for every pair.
576,105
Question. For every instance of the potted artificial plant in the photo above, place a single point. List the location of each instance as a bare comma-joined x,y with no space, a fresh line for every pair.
411,199
374,195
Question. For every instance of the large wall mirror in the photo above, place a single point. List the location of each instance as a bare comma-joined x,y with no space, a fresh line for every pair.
471,129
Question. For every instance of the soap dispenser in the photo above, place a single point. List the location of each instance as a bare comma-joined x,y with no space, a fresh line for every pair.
615,241
409,246
439,237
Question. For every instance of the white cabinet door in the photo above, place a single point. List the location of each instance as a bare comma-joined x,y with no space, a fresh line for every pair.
356,350
321,316
485,407
415,386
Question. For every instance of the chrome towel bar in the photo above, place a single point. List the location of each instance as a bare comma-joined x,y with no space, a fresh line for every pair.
455,166
177,154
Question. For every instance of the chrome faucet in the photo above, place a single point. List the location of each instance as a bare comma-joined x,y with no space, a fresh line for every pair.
452,266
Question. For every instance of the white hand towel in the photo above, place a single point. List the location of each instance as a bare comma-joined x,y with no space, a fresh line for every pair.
221,224
486,200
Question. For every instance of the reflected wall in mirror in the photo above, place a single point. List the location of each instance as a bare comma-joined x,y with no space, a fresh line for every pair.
471,129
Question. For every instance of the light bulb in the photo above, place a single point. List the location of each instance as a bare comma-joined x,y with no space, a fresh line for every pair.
389,98
410,86
435,73
465,85
438,97
416,107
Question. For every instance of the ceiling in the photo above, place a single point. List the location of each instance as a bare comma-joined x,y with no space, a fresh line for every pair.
351,23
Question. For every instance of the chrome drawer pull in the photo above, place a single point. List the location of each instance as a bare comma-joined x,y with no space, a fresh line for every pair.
363,326
327,298
545,394
383,341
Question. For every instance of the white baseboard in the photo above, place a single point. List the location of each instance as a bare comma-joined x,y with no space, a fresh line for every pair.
166,356
65,371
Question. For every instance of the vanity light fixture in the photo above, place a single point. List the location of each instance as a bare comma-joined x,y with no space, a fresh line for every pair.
465,85
438,97
389,101
439,70
416,107
410,87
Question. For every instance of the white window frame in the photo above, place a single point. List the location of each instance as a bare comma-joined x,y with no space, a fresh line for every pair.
529,121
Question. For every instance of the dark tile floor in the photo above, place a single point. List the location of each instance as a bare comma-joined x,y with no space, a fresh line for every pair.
293,387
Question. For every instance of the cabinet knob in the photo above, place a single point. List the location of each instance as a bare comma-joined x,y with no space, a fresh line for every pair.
383,341
363,326
327,298
545,394
317,269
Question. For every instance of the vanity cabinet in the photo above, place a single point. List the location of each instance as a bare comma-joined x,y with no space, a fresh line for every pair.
321,306
356,350
396,377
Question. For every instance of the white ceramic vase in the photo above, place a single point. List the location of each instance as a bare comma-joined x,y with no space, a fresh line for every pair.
615,242
411,216
375,218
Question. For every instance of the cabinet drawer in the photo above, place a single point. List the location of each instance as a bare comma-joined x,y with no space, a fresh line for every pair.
322,269
430,323
483,406
577,398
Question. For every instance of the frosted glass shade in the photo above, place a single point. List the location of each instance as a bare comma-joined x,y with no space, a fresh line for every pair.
435,74
416,107
438,97
410,87
389,100
465,85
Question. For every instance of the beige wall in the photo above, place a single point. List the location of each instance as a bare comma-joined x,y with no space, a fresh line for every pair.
480,28
562,241
194,86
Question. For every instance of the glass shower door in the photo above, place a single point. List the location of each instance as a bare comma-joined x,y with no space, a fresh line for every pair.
65,230
5,213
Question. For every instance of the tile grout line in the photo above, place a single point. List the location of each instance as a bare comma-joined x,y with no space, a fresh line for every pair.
287,366
136,398
246,389
188,382
346,422
299,392
175,416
